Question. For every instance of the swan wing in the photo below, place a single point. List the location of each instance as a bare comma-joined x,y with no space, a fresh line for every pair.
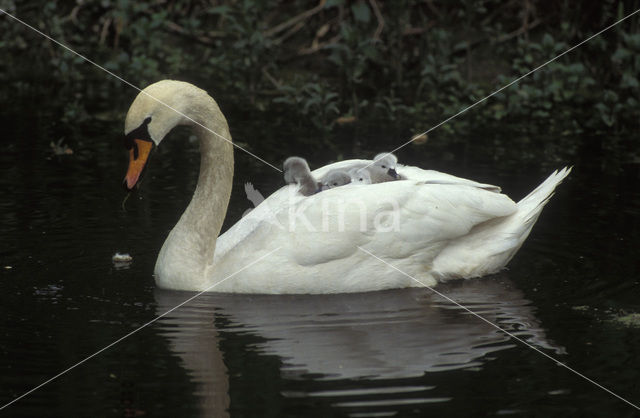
416,173
405,221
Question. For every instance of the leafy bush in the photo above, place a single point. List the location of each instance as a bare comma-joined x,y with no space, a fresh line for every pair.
412,62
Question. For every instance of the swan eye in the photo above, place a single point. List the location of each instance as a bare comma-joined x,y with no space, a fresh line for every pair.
360,179
335,184
141,132
384,166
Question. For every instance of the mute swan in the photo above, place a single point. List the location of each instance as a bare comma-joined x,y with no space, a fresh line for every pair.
296,170
449,228
335,178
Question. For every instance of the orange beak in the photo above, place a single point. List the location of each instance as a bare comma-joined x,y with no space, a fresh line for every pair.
138,155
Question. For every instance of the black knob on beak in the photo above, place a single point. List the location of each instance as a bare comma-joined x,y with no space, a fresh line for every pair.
393,173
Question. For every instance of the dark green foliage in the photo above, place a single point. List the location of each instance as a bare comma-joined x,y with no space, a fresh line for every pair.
412,62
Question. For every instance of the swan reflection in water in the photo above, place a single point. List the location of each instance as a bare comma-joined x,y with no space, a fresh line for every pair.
392,334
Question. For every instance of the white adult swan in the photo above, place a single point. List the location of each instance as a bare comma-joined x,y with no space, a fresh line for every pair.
432,226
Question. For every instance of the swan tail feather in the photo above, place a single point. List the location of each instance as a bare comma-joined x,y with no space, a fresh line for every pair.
530,207
492,244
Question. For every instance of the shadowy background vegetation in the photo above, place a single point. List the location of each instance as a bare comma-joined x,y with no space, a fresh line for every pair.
338,64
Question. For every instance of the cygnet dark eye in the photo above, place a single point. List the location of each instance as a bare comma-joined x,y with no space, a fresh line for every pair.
360,179
384,166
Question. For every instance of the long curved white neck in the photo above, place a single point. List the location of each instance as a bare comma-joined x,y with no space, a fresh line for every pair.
188,251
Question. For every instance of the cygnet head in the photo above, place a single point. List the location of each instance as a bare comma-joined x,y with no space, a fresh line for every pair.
335,178
360,176
295,168
384,168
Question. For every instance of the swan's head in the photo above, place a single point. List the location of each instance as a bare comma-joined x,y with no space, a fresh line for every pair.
384,167
155,111
295,169
360,176
335,178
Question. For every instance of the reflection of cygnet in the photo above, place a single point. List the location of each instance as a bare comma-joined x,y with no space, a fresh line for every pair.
384,168
360,176
335,178
296,170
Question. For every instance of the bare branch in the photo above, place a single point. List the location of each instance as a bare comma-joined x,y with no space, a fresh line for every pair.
376,11
289,33
269,77
317,46
203,39
434,9
523,29
296,19
105,30
418,31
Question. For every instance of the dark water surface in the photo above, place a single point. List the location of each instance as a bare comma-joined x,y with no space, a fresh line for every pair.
394,353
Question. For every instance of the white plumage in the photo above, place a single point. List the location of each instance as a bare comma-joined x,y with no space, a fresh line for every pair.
431,226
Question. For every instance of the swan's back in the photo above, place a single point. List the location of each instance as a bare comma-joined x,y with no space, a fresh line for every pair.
433,228
321,238
406,172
